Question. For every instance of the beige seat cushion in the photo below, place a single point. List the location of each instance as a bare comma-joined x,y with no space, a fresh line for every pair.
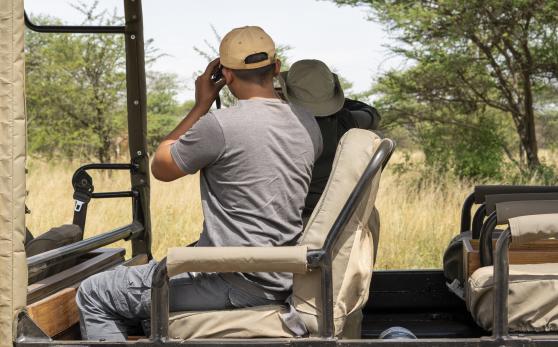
353,254
532,302
252,322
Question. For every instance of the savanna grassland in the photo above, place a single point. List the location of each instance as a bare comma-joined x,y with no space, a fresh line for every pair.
475,108
416,224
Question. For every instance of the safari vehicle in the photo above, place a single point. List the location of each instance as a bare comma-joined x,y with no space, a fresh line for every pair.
477,300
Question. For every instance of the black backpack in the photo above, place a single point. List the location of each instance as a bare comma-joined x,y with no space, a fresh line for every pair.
354,114
363,115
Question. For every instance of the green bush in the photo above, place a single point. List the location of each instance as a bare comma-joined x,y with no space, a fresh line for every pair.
159,126
468,153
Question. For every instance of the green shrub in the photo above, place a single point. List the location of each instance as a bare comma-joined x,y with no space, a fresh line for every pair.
475,152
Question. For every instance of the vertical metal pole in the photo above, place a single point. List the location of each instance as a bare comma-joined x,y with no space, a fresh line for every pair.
501,287
137,122
478,220
466,213
160,303
485,240
328,327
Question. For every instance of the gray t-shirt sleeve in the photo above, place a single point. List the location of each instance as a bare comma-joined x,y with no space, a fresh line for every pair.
200,146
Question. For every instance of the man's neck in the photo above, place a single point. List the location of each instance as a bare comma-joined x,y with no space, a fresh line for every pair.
256,91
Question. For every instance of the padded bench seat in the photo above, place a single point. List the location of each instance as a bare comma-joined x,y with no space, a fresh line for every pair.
532,301
251,322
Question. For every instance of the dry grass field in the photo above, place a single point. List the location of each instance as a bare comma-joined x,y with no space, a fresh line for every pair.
417,224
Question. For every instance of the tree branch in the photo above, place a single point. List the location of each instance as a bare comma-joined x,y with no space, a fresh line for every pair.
503,84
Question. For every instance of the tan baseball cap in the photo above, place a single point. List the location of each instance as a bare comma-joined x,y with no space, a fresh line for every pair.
240,43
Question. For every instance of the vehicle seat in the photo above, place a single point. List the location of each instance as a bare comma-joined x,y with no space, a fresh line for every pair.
533,294
352,262
533,288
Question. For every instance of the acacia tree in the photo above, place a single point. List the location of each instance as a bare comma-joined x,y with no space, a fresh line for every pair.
495,54
76,91
164,111
76,86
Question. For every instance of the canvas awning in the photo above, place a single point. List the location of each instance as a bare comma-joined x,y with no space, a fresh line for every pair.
13,268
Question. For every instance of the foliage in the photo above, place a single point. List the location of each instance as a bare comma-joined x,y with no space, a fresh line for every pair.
465,139
76,102
473,152
416,229
470,57
75,86
164,112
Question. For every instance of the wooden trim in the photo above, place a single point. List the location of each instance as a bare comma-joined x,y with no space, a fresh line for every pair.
539,252
55,313
535,245
58,314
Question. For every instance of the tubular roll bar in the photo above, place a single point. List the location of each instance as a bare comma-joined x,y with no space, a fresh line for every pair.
501,287
483,190
489,227
40,261
136,101
478,196
110,195
317,259
478,220
466,213
84,190
485,241
108,166
73,29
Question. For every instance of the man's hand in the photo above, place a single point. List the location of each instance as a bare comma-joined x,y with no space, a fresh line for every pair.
163,166
206,89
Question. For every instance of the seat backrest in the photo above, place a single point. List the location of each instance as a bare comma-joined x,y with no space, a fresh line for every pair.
352,260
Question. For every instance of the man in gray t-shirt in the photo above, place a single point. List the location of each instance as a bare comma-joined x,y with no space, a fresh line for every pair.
255,161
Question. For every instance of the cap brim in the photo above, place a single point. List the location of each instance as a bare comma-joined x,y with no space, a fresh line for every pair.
318,109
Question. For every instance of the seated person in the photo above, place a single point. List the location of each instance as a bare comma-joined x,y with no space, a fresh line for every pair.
311,84
255,160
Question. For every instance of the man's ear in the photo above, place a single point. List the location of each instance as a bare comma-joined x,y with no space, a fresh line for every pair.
277,69
229,75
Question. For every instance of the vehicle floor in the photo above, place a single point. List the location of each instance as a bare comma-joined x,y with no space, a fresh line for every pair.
420,301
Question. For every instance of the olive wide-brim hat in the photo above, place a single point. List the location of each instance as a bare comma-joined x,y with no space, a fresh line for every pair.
311,85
